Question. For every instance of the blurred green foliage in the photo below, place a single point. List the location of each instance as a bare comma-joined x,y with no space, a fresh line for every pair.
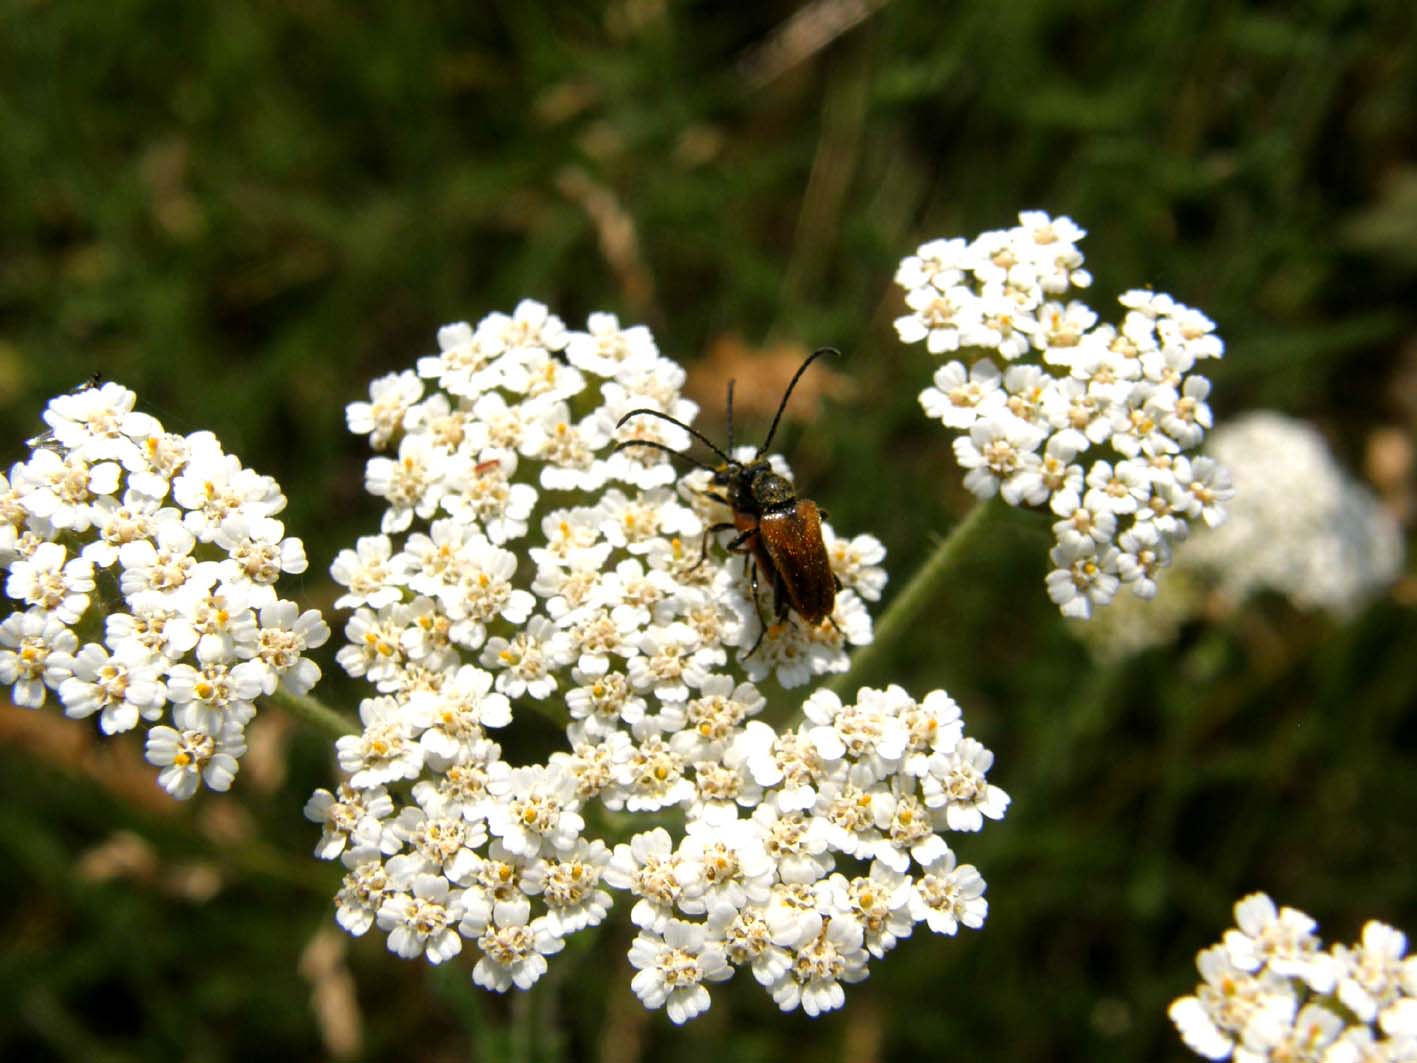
246,211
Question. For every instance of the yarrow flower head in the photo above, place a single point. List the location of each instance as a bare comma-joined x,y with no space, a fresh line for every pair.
528,565
142,567
1270,991
1099,423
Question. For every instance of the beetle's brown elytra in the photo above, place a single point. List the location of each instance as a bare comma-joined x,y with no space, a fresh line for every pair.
780,533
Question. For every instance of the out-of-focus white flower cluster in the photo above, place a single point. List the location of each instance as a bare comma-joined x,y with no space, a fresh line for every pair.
1300,524
527,566
144,568
1270,991
1035,386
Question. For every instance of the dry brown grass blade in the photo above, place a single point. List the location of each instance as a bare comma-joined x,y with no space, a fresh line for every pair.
810,29
762,375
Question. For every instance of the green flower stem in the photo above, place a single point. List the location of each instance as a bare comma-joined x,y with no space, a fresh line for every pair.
924,588
311,711
521,1027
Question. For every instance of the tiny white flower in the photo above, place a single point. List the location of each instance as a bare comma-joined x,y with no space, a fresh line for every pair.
857,562
819,967
122,690
1372,973
649,868
569,884
366,572
1208,484
412,483
1143,553
1120,490
1084,577
207,698
49,580
939,317
351,818
608,350
188,758
947,896
423,922
386,751
363,891
162,571
938,263
1090,520
382,417
36,652
880,904
996,452
673,965
956,786
796,842
259,553
1279,939
537,813
527,663
959,397
671,660
285,634
214,486
61,490
514,953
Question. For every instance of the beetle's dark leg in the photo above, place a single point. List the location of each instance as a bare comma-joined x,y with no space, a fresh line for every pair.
780,604
703,547
737,545
757,607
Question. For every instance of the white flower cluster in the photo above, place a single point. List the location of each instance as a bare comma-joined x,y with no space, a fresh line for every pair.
550,573
144,567
1301,526
1035,385
1270,991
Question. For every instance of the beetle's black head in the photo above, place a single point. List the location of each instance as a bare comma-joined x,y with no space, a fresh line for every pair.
732,479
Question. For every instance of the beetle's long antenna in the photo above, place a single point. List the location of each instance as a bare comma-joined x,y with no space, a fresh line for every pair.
660,446
788,393
730,415
680,424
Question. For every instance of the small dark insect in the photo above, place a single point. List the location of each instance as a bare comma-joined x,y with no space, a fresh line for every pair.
780,533
45,440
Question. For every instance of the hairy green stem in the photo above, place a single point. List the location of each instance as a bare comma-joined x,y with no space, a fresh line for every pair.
312,711
925,587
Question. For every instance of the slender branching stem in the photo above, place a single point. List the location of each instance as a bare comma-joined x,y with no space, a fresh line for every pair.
925,588
317,713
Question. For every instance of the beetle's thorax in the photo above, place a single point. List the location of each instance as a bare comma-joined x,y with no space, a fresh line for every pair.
765,489
753,487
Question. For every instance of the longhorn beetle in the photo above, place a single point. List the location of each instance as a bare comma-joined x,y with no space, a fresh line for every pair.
780,533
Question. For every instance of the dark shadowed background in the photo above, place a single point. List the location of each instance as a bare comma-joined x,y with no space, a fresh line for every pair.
246,211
